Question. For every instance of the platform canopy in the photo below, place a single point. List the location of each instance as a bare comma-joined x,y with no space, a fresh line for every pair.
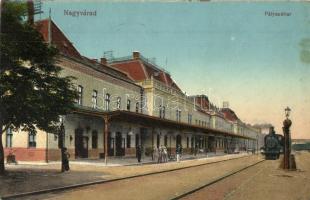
151,121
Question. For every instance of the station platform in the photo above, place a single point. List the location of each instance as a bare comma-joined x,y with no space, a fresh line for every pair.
122,161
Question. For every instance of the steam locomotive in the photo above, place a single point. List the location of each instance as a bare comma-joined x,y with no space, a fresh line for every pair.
273,145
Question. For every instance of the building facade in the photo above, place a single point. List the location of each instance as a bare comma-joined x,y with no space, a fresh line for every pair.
128,102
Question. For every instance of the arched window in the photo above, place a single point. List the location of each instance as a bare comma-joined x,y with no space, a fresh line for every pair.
107,101
137,107
80,95
118,103
94,99
128,104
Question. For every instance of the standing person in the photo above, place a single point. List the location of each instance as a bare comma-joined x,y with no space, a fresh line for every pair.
165,152
160,156
139,153
178,152
65,161
155,154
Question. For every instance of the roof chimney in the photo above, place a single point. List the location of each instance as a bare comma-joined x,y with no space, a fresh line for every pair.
136,55
103,61
225,104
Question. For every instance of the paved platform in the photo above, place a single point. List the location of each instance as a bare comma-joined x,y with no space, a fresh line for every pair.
117,161
32,177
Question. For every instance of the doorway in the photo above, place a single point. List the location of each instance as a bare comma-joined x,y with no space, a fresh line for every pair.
81,144
120,150
110,145
178,140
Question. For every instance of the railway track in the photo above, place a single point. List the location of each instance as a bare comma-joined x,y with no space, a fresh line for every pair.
71,187
215,181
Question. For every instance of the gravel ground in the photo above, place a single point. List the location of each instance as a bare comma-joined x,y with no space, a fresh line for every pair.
263,181
158,186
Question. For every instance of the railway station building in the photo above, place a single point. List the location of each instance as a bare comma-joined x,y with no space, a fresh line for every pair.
125,102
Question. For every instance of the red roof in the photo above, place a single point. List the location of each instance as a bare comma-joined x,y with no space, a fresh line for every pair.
229,114
133,68
63,44
57,38
140,70
203,102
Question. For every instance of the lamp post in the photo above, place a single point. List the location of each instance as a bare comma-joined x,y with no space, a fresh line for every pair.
287,139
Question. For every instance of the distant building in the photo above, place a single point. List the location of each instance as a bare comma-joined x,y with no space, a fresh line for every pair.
301,144
264,128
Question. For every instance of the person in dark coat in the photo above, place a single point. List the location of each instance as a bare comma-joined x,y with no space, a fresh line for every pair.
139,153
65,160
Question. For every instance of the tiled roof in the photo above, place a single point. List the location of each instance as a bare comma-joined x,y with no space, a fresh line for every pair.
57,38
133,67
63,44
229,114
140,70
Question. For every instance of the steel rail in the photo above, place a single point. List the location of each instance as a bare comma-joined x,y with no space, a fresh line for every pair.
214,181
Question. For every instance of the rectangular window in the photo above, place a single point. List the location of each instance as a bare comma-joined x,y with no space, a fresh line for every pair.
128,104
128,140
94,140
166,140
107,101
94,99
9,137
160,111
80,95
32,140
118,103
